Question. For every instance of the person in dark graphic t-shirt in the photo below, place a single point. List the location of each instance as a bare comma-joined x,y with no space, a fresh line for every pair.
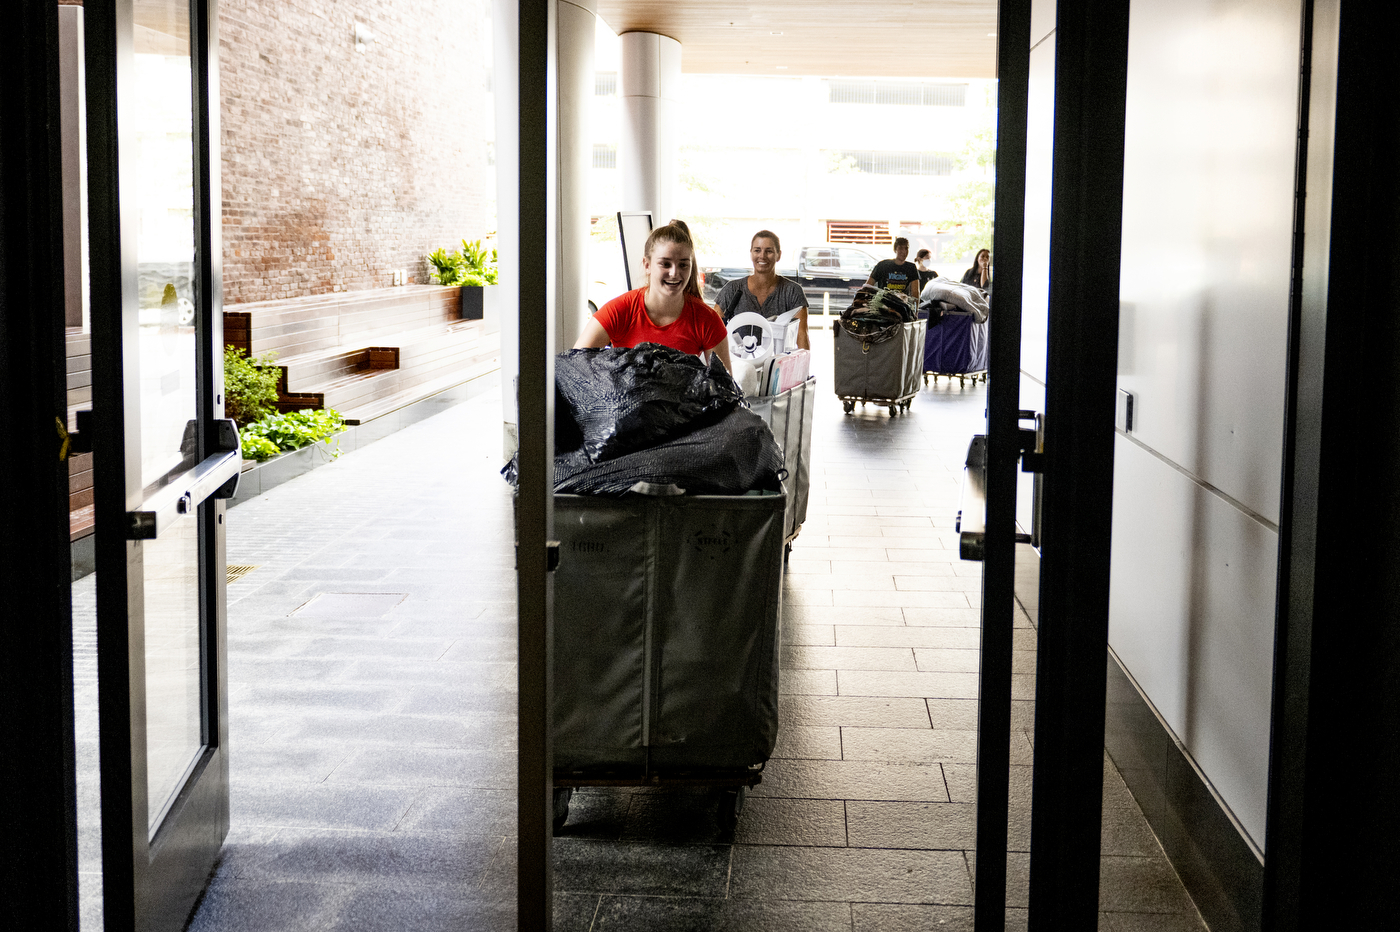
897,274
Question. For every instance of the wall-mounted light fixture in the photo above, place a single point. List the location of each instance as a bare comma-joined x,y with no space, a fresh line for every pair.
364,38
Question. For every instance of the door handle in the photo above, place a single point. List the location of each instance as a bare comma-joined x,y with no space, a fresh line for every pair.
972,508
215,477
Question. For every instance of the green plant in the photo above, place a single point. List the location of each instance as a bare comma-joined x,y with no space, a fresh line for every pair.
471,265
269,436
250,385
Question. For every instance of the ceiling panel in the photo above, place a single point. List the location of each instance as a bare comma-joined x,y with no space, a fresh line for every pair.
941,38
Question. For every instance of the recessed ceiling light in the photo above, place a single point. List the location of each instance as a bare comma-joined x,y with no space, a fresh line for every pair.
775,33
782,67
992,34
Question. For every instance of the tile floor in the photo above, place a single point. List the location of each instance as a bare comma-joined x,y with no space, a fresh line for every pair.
372,697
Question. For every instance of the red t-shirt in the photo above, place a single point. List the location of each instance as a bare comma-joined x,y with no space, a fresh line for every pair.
626,320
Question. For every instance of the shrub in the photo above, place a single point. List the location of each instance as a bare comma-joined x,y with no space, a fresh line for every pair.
250,385
469,266
269,436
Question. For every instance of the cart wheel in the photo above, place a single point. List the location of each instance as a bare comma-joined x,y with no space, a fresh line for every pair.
894,409
562,795
925,380
731,806
849,406
787,552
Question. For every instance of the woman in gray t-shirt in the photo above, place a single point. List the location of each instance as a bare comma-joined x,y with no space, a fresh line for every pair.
765,292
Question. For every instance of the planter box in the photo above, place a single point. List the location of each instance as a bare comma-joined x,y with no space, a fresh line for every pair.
473,302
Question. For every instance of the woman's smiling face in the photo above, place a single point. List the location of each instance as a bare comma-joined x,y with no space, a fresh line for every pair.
668,268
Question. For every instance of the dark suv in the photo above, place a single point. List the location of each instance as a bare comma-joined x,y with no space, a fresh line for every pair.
836,269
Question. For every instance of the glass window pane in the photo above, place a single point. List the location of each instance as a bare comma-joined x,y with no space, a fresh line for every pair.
174,715
157,108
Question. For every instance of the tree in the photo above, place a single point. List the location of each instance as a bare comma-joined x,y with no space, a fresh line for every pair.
973,199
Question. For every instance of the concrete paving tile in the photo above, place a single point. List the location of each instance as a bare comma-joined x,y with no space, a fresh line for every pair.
805,597
457,810
377,647
481,650
907,745
347,731
952,714
815,635
943,660
776,821
423,766
286,761
1141,885
678,816
1155,922
895,917
430,906
933,826
847,658
640,869
846,615
369,857
813,742
799,682
922,685
903,599
943,637
840,580
325,805
851,874
468,677
834,779
230,905
949,583
1126,833
852,710
693,914
965,616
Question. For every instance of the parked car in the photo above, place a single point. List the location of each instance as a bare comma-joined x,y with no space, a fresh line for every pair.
837,269
715,277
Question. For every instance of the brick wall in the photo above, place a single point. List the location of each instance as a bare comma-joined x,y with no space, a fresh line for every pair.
341,166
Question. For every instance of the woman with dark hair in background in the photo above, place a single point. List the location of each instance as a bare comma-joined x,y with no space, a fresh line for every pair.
926,274
980,275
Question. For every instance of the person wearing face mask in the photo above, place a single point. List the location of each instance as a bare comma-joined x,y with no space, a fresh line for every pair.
897,274
765,292
921,262
660,311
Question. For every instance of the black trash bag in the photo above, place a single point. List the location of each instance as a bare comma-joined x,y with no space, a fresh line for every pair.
734,456
628,399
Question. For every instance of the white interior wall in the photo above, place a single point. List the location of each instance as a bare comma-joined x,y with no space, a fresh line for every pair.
1207,211
1212,105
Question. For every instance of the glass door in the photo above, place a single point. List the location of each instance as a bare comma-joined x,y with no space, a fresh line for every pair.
165,459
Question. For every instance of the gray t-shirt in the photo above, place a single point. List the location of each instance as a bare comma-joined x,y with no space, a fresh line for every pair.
736,298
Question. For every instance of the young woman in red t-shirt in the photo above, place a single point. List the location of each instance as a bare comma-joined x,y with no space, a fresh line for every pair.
661,312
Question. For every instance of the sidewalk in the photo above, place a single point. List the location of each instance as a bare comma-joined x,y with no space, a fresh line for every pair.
373,691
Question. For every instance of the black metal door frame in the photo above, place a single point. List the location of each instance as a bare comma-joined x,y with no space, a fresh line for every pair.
39,865
534,506
1003,456
151,883
1086,222
1332,851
